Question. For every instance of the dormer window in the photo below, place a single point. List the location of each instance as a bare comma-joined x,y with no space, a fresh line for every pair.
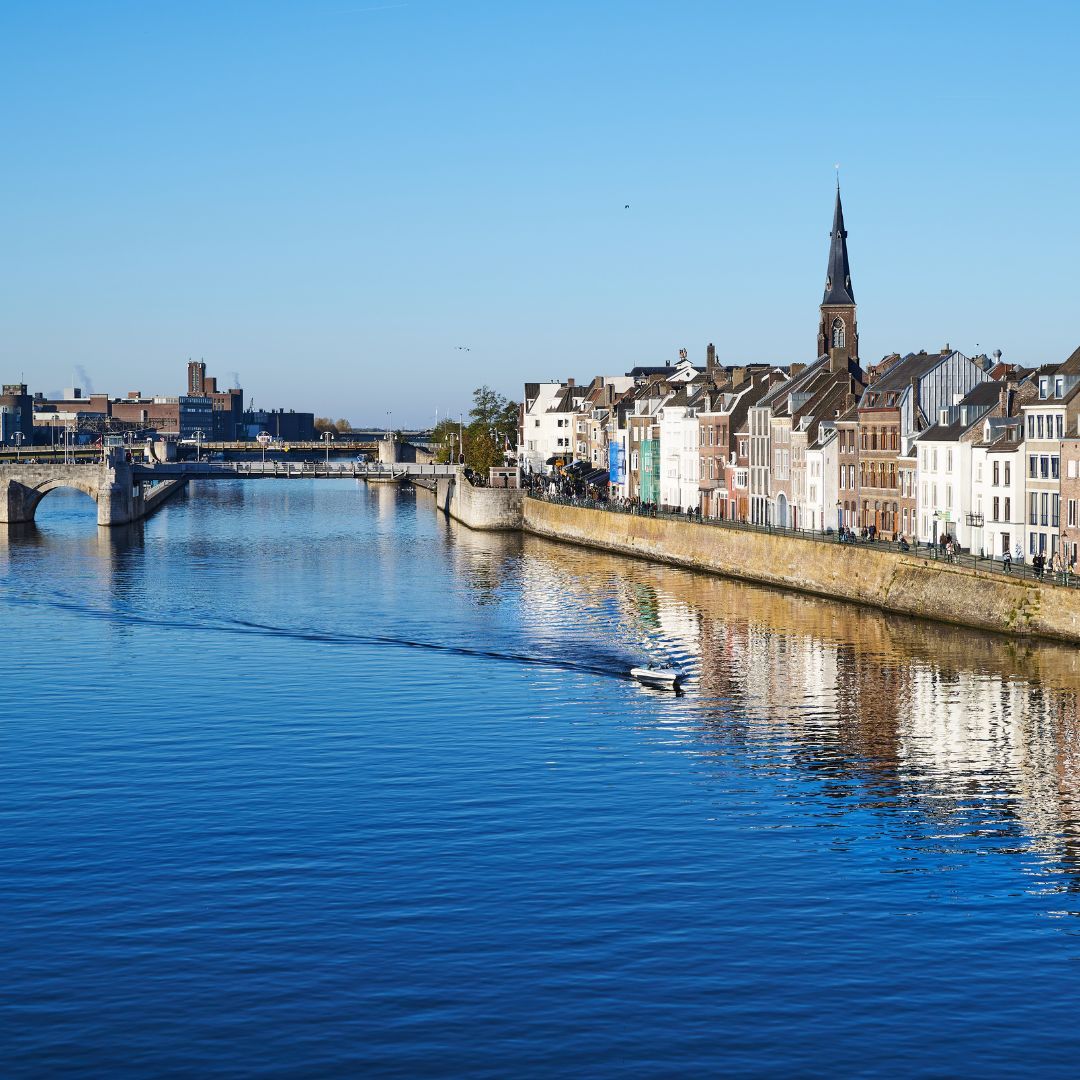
839,335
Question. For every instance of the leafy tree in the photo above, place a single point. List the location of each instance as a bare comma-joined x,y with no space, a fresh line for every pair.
324,423
343,426
496,416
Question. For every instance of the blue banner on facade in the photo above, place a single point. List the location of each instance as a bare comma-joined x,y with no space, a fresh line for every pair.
616,464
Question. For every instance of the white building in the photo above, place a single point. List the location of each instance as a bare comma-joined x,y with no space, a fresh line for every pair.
548,424
818,508
680,438
997,485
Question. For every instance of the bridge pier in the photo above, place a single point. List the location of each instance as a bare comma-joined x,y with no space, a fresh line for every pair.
119,493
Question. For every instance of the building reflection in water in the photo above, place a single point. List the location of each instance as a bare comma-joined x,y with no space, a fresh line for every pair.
979,734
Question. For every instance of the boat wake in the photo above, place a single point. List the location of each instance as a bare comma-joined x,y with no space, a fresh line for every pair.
610,666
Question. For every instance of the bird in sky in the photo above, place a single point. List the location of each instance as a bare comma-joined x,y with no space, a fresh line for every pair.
626,207
462,348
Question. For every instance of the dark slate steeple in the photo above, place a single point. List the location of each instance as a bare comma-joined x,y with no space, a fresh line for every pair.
838,288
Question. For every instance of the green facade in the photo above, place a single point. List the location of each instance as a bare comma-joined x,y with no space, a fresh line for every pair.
650,470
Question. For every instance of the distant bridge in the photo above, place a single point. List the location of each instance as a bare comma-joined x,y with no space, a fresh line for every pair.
125,492
290,470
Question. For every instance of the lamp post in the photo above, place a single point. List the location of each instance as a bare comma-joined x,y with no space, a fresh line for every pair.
839,517
389,425
264,439
937,516
198,433
327,437
18,437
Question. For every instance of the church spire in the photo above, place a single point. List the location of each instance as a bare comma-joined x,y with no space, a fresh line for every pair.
838,333
838,279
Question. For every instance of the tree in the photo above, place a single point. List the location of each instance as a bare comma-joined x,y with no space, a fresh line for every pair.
324,423
343,427
445,439
497,415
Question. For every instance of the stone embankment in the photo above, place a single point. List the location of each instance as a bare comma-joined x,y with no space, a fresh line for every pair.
882,579
479,507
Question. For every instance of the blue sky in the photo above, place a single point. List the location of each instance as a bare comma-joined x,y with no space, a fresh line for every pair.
327,197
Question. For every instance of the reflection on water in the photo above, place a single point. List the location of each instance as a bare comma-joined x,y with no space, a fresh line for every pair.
309,779
978,731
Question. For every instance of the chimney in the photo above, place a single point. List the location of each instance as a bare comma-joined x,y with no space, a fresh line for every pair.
738,376
134,394
796,369
569,382
710,360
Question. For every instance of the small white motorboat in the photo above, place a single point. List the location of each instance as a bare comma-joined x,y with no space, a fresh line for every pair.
664,678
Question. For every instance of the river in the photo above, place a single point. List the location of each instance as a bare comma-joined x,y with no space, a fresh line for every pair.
300,778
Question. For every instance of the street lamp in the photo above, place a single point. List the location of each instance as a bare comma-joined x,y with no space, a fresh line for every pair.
198,444
839,517
327,437
264,439
389,425
18,437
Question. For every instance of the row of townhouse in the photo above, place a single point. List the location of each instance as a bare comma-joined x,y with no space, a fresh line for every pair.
920,445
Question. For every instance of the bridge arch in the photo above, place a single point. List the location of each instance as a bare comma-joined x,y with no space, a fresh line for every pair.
39,491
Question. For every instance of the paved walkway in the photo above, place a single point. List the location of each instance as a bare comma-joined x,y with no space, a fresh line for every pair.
924,551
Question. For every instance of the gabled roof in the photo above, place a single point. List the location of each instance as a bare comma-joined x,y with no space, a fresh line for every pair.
944,432
984,393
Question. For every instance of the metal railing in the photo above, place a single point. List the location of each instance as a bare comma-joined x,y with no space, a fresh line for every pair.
926,552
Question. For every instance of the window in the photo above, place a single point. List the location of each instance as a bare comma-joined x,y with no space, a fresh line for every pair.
839,336
1055,510
933,458
1033,508
1059,425
1044,466
1039,425
1072,514
1044,508
997,472
1008,473
1008,508
1033,465
1055,466
948,460
997,507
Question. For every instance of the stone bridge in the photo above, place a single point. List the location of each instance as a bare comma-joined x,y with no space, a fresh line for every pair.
120,494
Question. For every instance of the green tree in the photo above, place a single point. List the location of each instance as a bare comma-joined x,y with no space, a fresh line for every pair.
445,439
497,415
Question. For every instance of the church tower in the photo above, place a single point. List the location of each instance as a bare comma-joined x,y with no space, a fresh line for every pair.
838,333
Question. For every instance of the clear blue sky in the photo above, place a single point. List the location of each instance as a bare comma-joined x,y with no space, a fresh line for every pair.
327,197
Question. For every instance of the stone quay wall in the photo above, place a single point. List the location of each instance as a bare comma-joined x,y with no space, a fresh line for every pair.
479,507
857,573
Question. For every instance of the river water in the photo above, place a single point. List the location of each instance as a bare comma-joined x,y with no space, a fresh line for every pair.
300,779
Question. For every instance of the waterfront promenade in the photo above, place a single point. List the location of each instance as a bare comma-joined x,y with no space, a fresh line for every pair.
908,583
